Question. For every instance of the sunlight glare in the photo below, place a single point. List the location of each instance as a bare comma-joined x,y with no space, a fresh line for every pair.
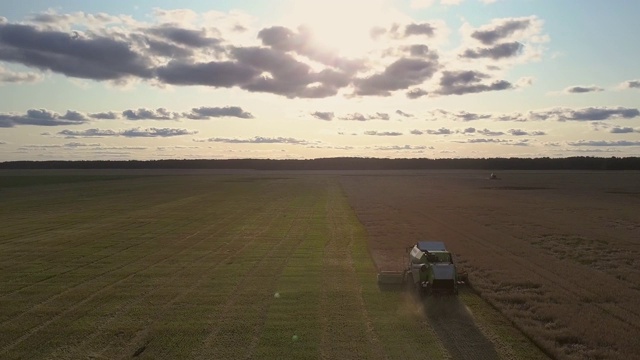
340,25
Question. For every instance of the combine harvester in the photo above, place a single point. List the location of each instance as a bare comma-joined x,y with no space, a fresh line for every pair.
429,270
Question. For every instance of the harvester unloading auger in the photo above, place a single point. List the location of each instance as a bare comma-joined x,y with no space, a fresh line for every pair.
429,269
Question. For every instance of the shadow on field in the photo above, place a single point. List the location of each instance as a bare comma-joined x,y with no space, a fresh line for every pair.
456,329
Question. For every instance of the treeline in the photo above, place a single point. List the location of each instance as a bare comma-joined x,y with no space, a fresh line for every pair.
346,163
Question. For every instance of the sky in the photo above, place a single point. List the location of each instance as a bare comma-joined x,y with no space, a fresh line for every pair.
301,79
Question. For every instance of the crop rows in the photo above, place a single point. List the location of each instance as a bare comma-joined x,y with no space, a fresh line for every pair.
202,267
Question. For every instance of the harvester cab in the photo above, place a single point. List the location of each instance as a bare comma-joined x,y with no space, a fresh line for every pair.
431,269
428,268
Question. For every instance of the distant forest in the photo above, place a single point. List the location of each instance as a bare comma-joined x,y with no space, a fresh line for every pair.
347,163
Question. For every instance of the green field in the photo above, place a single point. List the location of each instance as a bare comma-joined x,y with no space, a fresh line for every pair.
202,267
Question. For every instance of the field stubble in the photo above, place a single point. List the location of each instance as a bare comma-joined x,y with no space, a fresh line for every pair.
556,252
225,267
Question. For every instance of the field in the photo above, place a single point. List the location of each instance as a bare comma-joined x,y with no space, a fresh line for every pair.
557,252
283,265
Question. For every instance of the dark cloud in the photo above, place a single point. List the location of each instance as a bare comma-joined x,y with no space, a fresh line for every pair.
148,114
466,82
186,37
416,93
582,89
97,58
135,132
623,130
205,113
88,133
594,113
74,116
518,132
416,132
110,115
216,74
327,116
361,117
441,131
604,143
382,133
419,50
633,84
492,34
260,140
484,141
287,76
467,116
469,130
402,113
167,50
419,29
42,117
487,132
497,52
566,114
401,74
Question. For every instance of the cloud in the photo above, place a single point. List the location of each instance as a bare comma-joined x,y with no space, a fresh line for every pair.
98,58
604,143
185,37
110,115
403,147
630,84
467,82
134,132
148,114
259,140
419,29
466,116
326,116
418,50
582,89
42,117
524,142
623,130
518,132
487,132
598,113
497,52
401,74
441,131
404,114
500,29
361,117
382,133
11,77
416,93
302,42
88,133
205,113
216,74
280,73
416,132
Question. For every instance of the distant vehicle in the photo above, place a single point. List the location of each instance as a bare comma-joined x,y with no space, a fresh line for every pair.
493,176
430,269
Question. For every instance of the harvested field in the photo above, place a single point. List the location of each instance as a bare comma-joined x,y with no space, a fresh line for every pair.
213,267
558,253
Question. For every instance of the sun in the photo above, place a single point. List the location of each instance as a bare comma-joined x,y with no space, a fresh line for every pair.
343,26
